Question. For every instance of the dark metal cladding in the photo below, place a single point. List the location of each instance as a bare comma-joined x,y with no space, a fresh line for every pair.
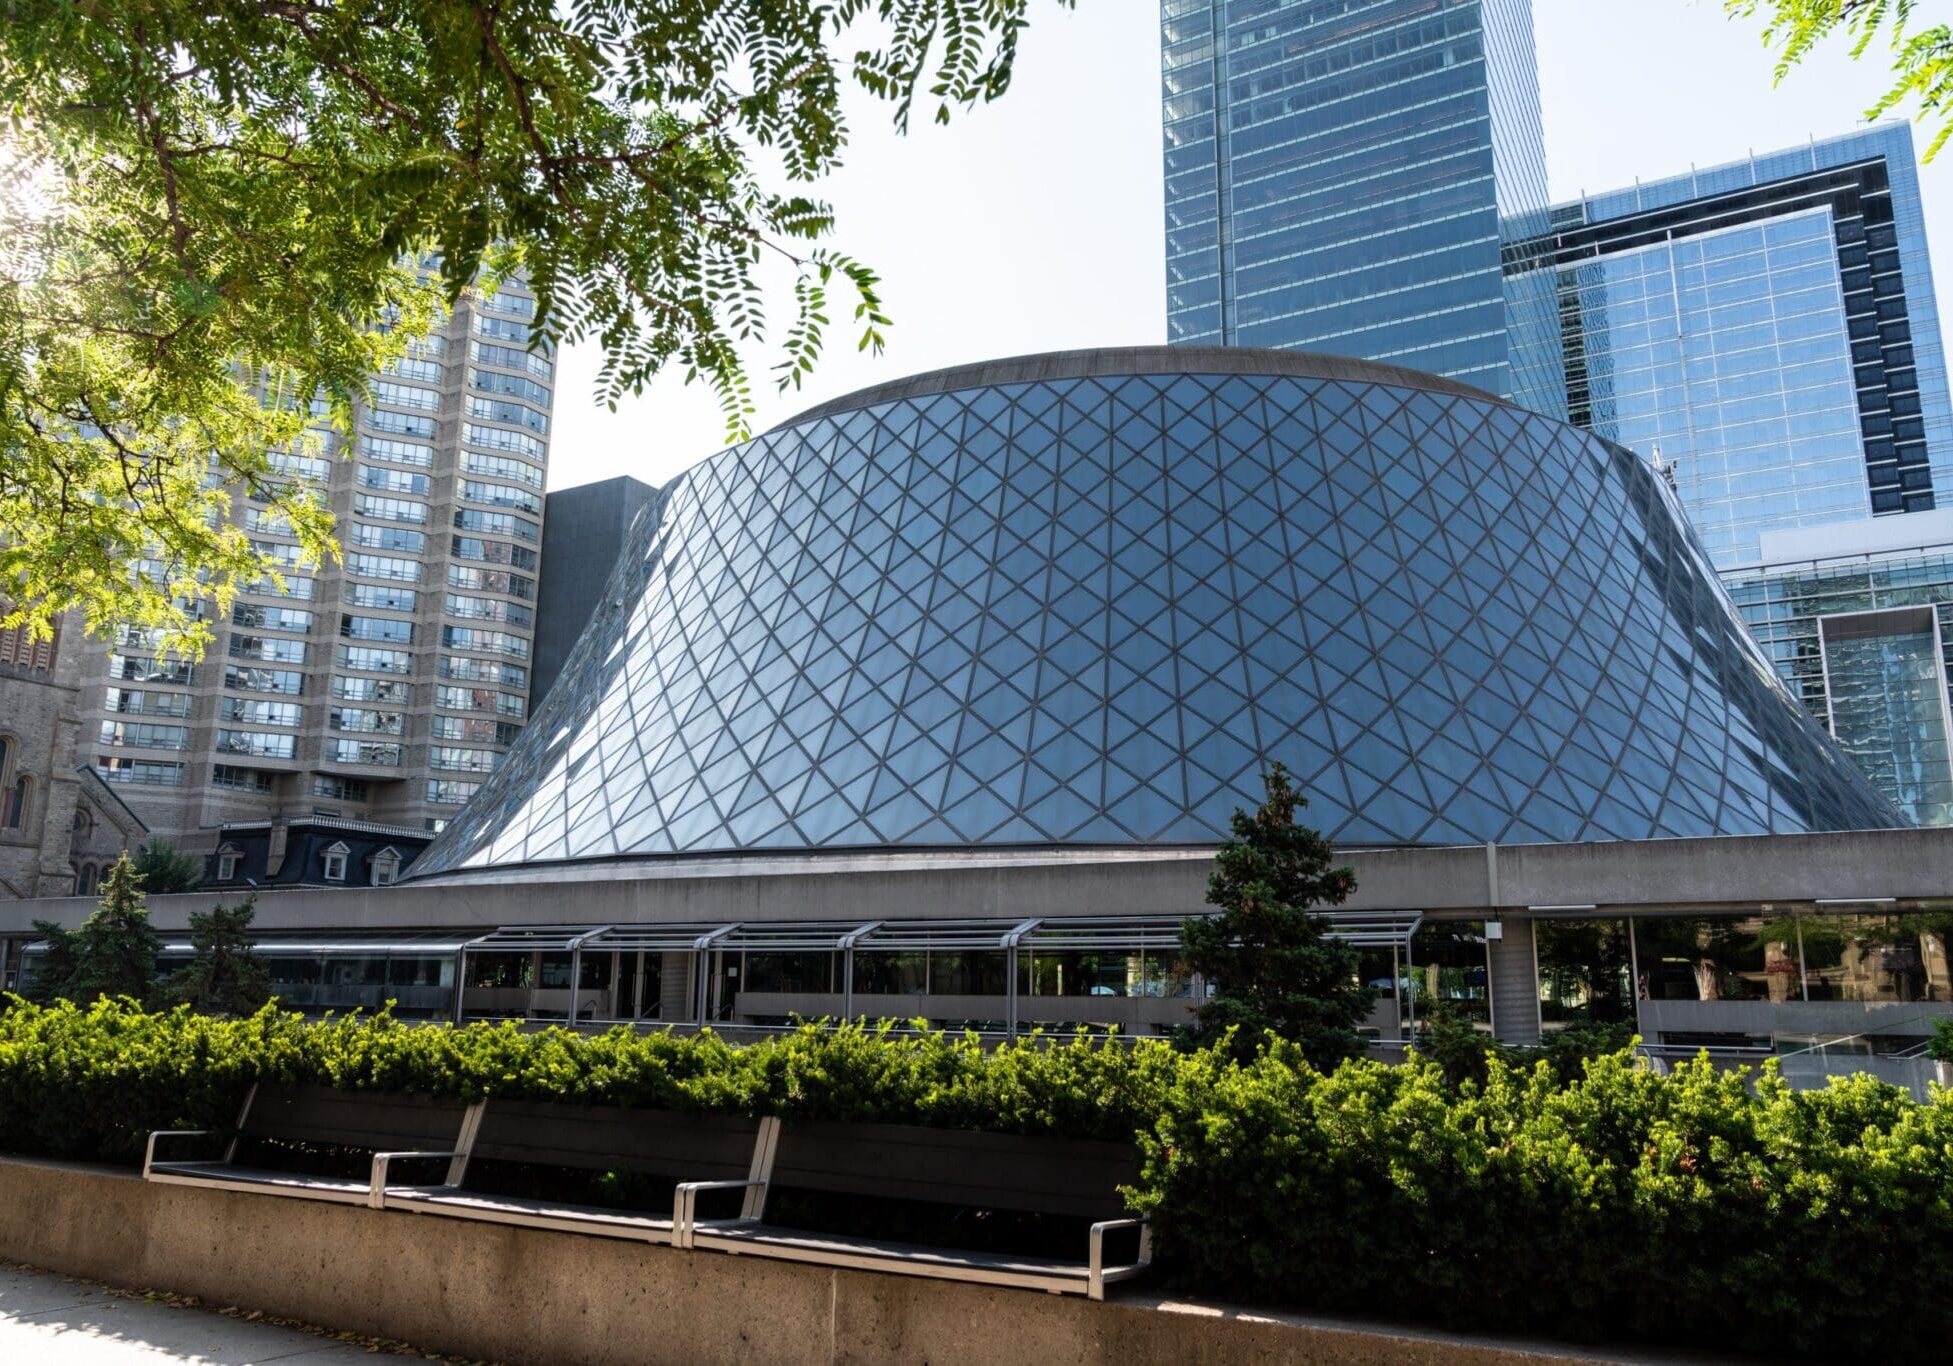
1083,599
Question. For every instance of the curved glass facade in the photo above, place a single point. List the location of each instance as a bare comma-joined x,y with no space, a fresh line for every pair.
1083,599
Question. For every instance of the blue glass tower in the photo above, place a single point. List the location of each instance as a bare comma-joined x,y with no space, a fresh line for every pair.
1344,176
1769,327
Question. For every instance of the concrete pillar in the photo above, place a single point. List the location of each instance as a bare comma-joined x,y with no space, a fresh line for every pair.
675,987
1515,983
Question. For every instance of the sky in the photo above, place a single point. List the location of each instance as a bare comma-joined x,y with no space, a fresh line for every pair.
1036,223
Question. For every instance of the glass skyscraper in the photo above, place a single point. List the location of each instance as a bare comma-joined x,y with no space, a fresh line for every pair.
1344,176
1769,329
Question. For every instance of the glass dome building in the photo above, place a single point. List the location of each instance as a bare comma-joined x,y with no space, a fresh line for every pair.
1082,599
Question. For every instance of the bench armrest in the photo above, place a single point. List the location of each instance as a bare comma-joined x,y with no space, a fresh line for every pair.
377,1190
684,1205
1097,1276
149,1148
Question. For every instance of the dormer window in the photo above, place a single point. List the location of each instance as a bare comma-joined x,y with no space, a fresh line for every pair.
335,863
386,867
227,858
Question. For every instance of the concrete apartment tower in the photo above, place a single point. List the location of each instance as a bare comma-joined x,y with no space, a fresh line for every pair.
386,688
1350,176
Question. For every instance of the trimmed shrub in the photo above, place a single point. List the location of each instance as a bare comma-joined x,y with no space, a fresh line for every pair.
1709,1208
91,1082
1706,1208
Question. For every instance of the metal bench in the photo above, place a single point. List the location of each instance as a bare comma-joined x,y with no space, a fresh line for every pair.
589,1138
370,1122
976,1170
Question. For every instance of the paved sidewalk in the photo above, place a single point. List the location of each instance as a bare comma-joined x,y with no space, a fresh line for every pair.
50,1319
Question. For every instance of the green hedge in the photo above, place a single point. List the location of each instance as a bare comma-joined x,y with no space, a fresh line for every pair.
91,1083
1711,1209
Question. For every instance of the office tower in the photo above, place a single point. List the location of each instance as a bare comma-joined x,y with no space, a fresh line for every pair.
1345,175
386,687
1769,329
583,534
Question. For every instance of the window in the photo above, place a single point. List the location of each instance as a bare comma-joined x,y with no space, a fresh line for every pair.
501,410
377,628
393,481
272,649
335,863
462,760
496,524
502,467
385,597
243,679
399,452
501,439
227,859
144,735
476,730
484,671
271,618
488,609
143,772
388,538
392,690
389,509
366,720
236,779
13,808
427,371
406,396
492,642
339,789
386,867
510,358
375,660
493,552
1585,974
491,581
401,424
508,386
478,699
501,495
501,301
370,753
384,567
130,702
449,792
251,711
257,744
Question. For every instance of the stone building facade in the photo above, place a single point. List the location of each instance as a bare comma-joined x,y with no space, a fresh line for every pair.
60,825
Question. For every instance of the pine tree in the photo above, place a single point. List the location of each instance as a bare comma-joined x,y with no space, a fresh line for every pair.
1266,954
165,868
225,977
114,951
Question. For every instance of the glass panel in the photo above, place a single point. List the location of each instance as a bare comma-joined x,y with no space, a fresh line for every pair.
1584,968
1448,968
1718,958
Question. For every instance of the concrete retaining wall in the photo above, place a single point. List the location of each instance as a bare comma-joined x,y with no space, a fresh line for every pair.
527,1296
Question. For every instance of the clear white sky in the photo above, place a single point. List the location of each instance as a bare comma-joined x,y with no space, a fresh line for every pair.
1036,224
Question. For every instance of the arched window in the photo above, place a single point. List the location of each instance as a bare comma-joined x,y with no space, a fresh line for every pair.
13,811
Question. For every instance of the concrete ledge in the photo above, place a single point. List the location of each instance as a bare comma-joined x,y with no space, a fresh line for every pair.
522,1295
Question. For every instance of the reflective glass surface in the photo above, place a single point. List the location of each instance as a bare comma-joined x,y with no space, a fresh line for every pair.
1089,610
1770,326
1342,175
1862,642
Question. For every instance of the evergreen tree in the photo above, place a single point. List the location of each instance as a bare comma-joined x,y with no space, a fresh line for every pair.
1266,954
114,951
165,868
225,977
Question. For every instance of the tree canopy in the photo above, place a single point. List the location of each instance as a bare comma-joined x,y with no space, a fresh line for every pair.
1922,58
219,215
1272,966
223,976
